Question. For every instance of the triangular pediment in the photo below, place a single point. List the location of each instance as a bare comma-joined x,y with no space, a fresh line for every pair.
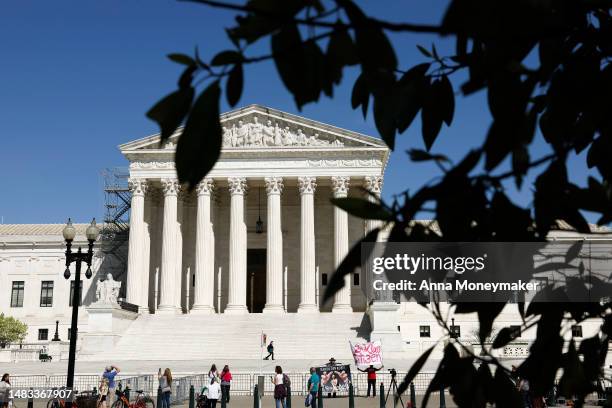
258,127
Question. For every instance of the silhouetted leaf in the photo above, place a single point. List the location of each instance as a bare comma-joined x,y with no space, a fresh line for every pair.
187,76
573,251
363,208
505,336
431,117
446,98
414,370
361,94
234,85
199,146
171,110
227,57
411,89
181,59
350,263
418,155
424,51
384,115
374,48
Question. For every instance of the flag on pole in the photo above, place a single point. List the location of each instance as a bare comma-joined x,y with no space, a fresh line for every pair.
264,339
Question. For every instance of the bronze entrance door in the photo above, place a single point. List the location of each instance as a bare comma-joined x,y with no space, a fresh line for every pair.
256,279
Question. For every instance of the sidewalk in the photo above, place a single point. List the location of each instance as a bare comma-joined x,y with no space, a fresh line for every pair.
296,402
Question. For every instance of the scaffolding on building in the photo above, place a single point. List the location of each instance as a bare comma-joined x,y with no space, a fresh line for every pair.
117,199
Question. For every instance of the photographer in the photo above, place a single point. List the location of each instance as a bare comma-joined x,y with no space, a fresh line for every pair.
371,379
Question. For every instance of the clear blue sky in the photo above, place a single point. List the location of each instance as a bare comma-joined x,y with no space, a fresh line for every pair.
77,77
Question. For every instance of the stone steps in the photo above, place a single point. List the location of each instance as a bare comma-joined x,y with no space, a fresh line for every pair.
201,337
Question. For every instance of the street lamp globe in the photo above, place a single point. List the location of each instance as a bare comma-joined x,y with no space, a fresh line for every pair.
92,231
69,231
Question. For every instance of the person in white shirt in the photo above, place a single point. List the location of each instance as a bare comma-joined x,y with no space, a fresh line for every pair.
214,393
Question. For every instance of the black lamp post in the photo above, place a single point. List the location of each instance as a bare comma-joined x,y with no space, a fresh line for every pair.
453,329
69,233
56,336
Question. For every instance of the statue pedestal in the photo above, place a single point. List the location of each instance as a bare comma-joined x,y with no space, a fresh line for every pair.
106,324
384,318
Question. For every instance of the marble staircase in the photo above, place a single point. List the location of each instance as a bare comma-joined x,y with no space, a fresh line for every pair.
203,337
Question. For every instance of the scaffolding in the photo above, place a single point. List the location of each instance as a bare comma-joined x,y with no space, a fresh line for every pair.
117,198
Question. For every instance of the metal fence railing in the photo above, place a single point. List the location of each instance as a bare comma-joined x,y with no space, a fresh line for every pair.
242,383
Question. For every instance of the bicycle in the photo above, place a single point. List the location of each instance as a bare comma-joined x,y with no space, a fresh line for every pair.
143,400
57,402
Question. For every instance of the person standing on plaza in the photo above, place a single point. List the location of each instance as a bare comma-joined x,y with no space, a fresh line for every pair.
280,391
213,373
214,392
270,351
110,372
226,379
314,382
371,379
165,385
5,391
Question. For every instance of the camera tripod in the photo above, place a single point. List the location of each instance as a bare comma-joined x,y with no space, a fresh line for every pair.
393,386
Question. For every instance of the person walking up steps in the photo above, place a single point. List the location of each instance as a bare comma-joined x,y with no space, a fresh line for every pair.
226,379
270,351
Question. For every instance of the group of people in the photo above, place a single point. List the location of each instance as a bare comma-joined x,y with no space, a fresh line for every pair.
217,386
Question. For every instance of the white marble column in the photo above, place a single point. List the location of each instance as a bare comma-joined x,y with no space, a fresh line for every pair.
342,299
274,253
308,281
238,248
373,184
204,251
168,282
178,257
135,271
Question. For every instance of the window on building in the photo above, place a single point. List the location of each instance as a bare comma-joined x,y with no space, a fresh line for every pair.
355,279
323,279
17,293
424,331
46,294
576,330
72,293
455,331
43,334
516,331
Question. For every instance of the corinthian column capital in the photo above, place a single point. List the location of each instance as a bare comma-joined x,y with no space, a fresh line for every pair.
274,185
138,186
170,187
340,185
205,186
237,185
307,185
373,184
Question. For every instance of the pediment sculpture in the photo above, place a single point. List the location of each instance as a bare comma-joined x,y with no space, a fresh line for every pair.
257,134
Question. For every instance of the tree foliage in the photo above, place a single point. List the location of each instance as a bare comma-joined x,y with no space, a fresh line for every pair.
567,95
11,330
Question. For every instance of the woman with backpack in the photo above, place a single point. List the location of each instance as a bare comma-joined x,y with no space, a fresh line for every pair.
280,391
226,379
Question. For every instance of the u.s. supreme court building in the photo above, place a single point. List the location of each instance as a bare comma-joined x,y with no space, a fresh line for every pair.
250,250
